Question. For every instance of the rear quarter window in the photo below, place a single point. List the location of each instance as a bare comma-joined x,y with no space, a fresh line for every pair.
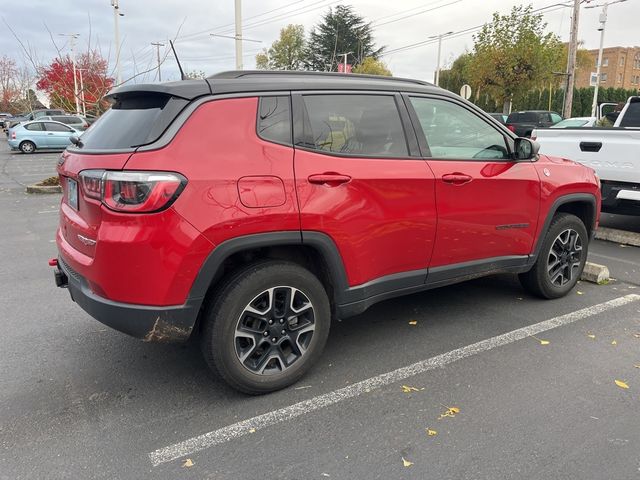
274,119
132,121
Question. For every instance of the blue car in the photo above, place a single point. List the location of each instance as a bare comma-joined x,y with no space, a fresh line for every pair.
47,134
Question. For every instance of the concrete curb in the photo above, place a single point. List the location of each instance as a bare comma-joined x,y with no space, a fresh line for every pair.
618,236
595,273
44,189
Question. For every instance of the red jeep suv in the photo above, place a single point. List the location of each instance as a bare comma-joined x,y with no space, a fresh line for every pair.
252,207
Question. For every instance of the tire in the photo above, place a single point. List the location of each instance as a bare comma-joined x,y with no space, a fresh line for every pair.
27,147
266,327
561,258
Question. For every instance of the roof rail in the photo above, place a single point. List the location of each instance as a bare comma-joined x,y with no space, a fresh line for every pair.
231,74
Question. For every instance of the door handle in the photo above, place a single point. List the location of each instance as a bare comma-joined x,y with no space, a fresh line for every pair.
329,179
590,146
456,178
49,133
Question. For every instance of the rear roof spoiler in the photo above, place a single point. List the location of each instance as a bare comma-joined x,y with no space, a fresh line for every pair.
186,89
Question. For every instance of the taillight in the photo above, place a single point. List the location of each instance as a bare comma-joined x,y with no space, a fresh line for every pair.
133,192
512,128
13,135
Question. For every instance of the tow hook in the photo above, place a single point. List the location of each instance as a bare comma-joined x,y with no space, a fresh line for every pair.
60,277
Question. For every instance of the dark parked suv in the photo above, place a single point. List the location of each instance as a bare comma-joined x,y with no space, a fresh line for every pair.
251,208
523,123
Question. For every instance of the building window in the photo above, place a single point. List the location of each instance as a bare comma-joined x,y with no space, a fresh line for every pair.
605,62
619,77
622,61
603,78
636,61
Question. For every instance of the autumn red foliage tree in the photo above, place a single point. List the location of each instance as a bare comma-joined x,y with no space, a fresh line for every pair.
56,80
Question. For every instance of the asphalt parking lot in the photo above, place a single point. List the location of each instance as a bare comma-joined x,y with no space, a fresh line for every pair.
512,386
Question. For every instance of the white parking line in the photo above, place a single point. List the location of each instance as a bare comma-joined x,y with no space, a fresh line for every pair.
230,432
615,259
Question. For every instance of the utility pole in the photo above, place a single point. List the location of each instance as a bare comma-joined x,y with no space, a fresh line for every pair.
116,15
571,63
72,40
436,80
158,45
603,24
238,35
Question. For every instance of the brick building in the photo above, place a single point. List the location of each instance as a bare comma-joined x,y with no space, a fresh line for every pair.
620,68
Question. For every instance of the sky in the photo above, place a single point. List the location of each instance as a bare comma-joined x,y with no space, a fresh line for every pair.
396,24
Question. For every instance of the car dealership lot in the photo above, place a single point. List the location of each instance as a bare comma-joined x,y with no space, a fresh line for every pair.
80,400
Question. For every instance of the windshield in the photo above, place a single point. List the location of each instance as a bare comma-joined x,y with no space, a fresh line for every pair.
571,122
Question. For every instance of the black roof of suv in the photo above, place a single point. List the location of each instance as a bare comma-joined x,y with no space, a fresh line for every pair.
263,81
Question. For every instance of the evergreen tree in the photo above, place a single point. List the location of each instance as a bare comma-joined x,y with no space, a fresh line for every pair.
340,31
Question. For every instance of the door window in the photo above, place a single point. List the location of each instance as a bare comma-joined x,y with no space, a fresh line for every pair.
34,127
56,127
453,132
555,118
362,125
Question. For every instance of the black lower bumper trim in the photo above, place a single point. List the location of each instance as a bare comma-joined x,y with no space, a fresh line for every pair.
149,323
612,204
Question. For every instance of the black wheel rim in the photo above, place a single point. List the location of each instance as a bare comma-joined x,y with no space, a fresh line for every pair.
274,330
565,257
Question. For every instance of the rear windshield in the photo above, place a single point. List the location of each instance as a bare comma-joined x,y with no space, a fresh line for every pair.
131,122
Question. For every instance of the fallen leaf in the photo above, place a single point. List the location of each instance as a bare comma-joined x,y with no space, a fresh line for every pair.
431,433
188,463
637,335
622,384
408,389
406,462
451,412
542,342
579,292
614,343
637,366
413,322
591,335
252,430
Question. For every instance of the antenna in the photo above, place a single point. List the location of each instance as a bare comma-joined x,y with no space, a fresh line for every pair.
182,76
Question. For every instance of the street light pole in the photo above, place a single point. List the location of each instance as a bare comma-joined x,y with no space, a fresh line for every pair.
603,24
238,6
116,15
72,40
437,74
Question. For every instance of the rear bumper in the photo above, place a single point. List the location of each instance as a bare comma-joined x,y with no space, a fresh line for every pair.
621,197
151,324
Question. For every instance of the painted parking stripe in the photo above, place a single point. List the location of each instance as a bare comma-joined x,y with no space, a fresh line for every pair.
230,432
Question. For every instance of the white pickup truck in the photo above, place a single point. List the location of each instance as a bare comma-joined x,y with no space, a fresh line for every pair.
614,153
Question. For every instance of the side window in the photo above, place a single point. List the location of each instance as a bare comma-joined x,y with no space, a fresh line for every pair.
274,119
56,127
34,127
367,125
453,132
555,118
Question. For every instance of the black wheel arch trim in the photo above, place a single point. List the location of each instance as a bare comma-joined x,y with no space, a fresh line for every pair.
563,200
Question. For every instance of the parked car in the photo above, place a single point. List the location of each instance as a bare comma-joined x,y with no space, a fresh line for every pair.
75,121
523,123
89,118
501,117
46,134
3,118
576,122
184,212
35,114
613,152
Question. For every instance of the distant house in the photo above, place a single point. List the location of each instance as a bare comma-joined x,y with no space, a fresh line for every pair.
620,68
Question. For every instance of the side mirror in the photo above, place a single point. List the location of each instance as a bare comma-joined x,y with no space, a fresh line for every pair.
525,149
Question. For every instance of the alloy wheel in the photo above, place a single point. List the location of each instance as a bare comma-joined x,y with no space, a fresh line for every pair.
565,257
274,330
